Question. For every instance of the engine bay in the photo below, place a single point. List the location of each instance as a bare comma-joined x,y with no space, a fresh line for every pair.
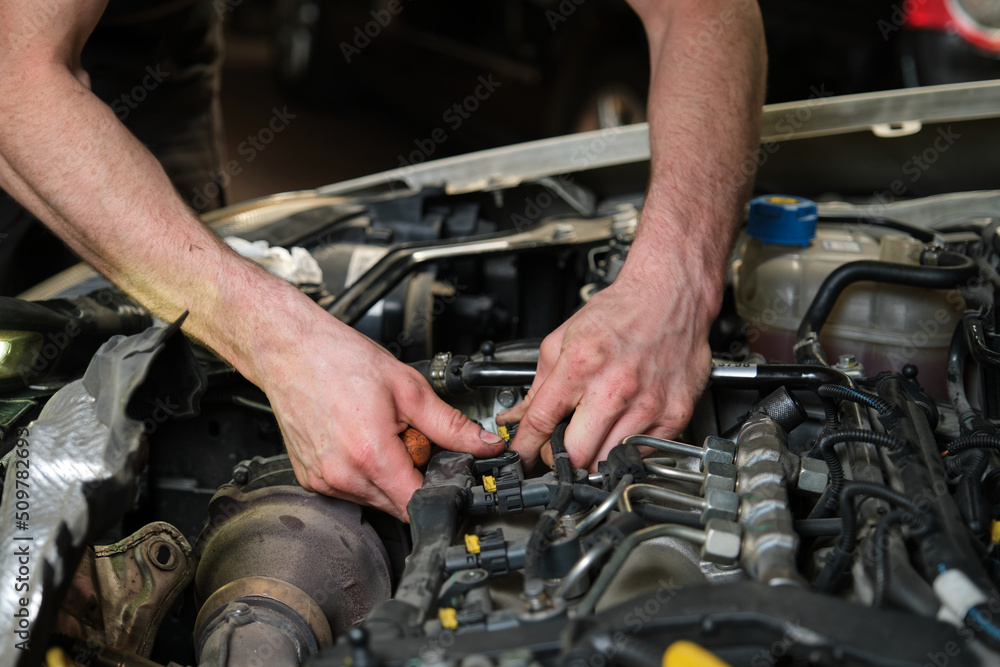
835,499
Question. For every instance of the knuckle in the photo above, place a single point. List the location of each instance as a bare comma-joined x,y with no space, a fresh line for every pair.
550,347
453,421
410,389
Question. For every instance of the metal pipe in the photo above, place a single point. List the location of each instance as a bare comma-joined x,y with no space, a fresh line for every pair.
602,510
664,445
622,553
354,301
668,472
657,493
582,566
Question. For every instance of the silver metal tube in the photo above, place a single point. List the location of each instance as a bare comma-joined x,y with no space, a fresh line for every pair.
657,493
622,553
602,510
668,472
664,445
354,301
582,566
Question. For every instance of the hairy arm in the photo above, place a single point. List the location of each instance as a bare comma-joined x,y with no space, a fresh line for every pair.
340,400
636,358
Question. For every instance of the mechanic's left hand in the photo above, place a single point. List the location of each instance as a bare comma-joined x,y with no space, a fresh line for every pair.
633,360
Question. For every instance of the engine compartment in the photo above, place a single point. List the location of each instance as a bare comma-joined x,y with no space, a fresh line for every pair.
834,501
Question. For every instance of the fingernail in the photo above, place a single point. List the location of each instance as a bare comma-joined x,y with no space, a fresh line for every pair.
489,438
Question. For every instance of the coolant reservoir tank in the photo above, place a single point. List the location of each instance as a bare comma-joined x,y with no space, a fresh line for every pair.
781,261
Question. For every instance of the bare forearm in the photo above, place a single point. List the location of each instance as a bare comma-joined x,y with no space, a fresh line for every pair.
706,91
68,158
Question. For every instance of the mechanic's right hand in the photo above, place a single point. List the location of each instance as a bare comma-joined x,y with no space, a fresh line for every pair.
342,401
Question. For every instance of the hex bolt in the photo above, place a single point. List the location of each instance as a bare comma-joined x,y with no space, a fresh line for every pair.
813,477
717,504
506,397
715,449
715,475
723,540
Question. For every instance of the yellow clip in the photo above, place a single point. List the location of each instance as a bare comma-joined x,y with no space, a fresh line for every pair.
448,618
995,532
689,654
503,433
472,544
489,483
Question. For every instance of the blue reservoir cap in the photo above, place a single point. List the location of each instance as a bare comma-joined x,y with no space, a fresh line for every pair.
782,219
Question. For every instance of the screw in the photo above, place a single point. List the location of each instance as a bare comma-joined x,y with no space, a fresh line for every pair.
506,398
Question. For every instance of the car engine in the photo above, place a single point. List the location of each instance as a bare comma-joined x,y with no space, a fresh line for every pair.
835,499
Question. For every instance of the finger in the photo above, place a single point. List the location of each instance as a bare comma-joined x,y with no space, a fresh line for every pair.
665,425
352,487
380,471
397,479
589,428
548,354
552,404
445,425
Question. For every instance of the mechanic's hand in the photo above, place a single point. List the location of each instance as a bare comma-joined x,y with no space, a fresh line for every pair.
342,401
633,360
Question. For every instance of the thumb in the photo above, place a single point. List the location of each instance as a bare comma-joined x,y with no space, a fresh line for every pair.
448,427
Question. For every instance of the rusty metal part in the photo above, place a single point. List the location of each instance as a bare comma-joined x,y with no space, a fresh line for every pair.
766,468
247,589
319,545
417,445
121,592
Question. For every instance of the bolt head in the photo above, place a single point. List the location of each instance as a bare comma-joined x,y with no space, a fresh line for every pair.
722,542
814,475
720,504
719,450
719,476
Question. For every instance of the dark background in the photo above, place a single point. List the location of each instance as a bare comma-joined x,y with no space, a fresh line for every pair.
371,114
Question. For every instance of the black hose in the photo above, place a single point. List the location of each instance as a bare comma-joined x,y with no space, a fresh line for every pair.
968,419
841,553
881,538
826,447
590,495
951,271
976,338
920,233
970,463
974,441
841,393
818,527
771,376
537,543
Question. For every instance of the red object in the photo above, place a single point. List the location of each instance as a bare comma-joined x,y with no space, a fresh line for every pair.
945,15
928,14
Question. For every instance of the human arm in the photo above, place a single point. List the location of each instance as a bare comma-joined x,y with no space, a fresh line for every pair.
340,400
636,357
